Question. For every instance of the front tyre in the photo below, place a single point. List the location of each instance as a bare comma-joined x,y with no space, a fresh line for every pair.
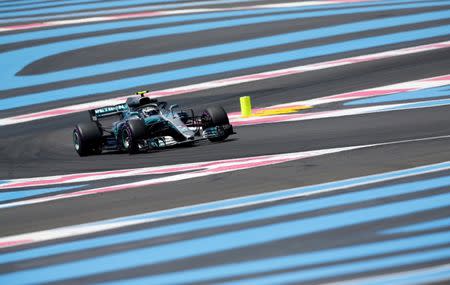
87,139
217,116
133,132
216,123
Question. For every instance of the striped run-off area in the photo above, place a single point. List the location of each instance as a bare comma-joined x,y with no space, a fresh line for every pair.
340,176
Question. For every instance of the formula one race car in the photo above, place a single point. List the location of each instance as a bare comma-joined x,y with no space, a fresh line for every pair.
143,123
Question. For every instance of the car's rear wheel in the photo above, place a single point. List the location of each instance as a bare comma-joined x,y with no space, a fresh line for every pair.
87,139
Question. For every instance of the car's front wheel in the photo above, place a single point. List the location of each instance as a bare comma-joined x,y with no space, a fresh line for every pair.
132,132
216,118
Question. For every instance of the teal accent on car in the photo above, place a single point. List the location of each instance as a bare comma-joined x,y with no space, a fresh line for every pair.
153,119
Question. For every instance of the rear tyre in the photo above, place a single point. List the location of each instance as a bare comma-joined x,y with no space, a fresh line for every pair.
216,116
87,139
132,133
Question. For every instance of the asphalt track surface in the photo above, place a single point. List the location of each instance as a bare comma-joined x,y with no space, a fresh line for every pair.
378,231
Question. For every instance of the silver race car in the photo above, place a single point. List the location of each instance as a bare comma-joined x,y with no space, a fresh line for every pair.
143,123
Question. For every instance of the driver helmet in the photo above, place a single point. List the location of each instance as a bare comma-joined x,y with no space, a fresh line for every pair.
149,111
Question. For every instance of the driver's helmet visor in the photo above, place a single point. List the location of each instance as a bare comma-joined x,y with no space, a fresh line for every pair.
149,111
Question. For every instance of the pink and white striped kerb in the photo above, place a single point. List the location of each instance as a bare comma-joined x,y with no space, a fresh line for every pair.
200,169
377,91
150,14
415,85
94,227
225,82
95,176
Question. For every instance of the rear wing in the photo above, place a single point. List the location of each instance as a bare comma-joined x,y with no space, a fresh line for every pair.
107,111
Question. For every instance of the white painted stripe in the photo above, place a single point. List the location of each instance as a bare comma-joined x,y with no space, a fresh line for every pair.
299,4
68,22
233,203
372,92
166,169
306,116
215,168
165,13
224,83
365,93
128,10
236,121
400,276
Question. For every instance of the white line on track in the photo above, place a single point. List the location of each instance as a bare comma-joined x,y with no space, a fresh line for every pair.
418,276
166,13
211,166
233,203
415,85
407,86
201,169
338,113
225,82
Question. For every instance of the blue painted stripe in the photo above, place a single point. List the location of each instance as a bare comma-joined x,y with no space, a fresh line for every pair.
422,104
77,7
9,196
224,241
266,265
122,11
425,226
442,91
216,68
249,216
27,2
15,1
16,60
11,2
183,5
426,276
39,4
286,194
346,269
96,27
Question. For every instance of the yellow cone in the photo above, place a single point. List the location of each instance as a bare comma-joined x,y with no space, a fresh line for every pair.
246,106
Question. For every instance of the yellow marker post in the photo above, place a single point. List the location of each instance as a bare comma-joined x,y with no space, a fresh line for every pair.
246,106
